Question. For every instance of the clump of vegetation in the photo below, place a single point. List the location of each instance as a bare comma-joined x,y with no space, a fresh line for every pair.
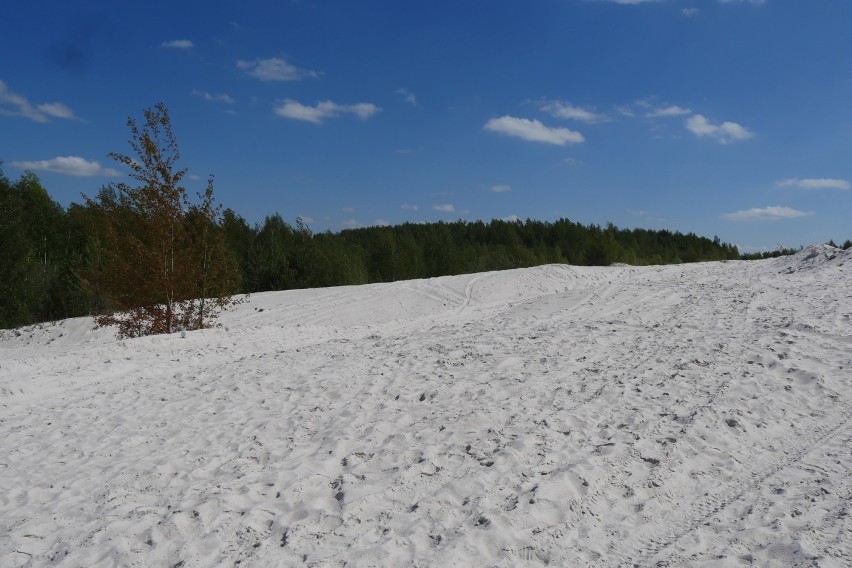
162,262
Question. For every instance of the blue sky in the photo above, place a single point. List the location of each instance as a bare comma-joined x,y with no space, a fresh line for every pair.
720,117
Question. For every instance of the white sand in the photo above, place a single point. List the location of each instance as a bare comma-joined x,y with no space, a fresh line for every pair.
694,415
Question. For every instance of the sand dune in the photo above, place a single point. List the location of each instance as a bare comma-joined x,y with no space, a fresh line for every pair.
693,415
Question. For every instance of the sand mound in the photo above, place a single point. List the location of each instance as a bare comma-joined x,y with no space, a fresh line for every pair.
809,258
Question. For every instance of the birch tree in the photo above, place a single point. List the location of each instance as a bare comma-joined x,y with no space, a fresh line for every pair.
159,254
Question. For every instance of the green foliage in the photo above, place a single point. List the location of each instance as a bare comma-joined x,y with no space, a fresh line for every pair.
276,255
780,251
33,261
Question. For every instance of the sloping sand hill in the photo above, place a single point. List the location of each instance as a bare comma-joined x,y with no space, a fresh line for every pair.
693,415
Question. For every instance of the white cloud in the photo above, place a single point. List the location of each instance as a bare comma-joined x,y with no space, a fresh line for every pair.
818,183
20,106
740,1
322,110
348,209
215,97
274,69
445,207
690,12
503,188
665,112
512,218
307,219
722,133
380,223
361,110
561,109
352,223
532,130
57,110
68,165
766,213
408,96
178,44
408,207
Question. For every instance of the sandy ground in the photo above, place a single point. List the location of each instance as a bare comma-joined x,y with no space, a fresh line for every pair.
694,415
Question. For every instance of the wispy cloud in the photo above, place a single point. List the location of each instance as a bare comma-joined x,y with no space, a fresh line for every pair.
322,110
214,97
668,111
743,1
408,207
13,104
532,130
407,96
274,69
815,183
690,12
178,44
561,109
445,207
503,188
68,165
722,133
625,110
56,110
772,213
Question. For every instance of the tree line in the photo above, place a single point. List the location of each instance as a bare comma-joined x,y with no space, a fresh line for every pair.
275,255
57,263
147,257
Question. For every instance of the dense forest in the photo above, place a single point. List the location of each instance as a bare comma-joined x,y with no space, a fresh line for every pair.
52,259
